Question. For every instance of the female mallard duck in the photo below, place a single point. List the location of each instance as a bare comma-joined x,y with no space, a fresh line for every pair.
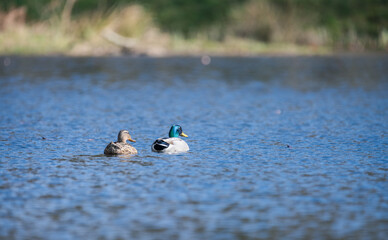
121,146
172,144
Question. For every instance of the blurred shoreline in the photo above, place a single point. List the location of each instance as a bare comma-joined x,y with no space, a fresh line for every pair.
132,31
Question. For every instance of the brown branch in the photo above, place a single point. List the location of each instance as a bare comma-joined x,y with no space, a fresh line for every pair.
119,40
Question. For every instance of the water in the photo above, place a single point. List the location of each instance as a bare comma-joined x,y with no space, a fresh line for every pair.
281,148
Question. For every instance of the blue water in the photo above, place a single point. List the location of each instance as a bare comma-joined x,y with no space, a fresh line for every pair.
280,148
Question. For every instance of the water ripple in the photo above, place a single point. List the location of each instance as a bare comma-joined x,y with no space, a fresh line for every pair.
289,148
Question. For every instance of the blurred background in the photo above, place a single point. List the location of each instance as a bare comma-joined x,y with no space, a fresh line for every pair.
192,27
287,130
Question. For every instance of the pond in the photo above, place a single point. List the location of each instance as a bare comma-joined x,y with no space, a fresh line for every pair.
280,148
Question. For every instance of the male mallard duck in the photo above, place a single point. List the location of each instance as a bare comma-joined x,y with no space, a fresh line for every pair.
172,144
121,146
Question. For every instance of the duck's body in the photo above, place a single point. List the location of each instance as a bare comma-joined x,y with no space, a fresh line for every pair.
121,146
115,148
172,144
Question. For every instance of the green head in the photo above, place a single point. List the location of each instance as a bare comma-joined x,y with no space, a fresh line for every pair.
176,131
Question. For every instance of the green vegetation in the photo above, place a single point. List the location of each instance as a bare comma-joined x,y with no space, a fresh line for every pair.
162,27
344,20
189,17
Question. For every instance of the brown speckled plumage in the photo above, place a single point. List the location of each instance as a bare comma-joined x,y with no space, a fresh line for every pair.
121,146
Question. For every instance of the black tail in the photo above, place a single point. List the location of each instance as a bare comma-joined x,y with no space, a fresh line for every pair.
159,145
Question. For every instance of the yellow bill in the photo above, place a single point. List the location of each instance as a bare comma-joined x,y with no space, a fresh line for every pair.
183,134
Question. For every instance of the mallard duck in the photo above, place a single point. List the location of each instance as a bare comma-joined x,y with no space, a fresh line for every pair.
172,144
121,146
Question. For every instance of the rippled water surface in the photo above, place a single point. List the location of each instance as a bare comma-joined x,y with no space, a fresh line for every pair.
280,148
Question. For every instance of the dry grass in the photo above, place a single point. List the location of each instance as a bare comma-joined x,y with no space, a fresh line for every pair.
36,39
256,28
